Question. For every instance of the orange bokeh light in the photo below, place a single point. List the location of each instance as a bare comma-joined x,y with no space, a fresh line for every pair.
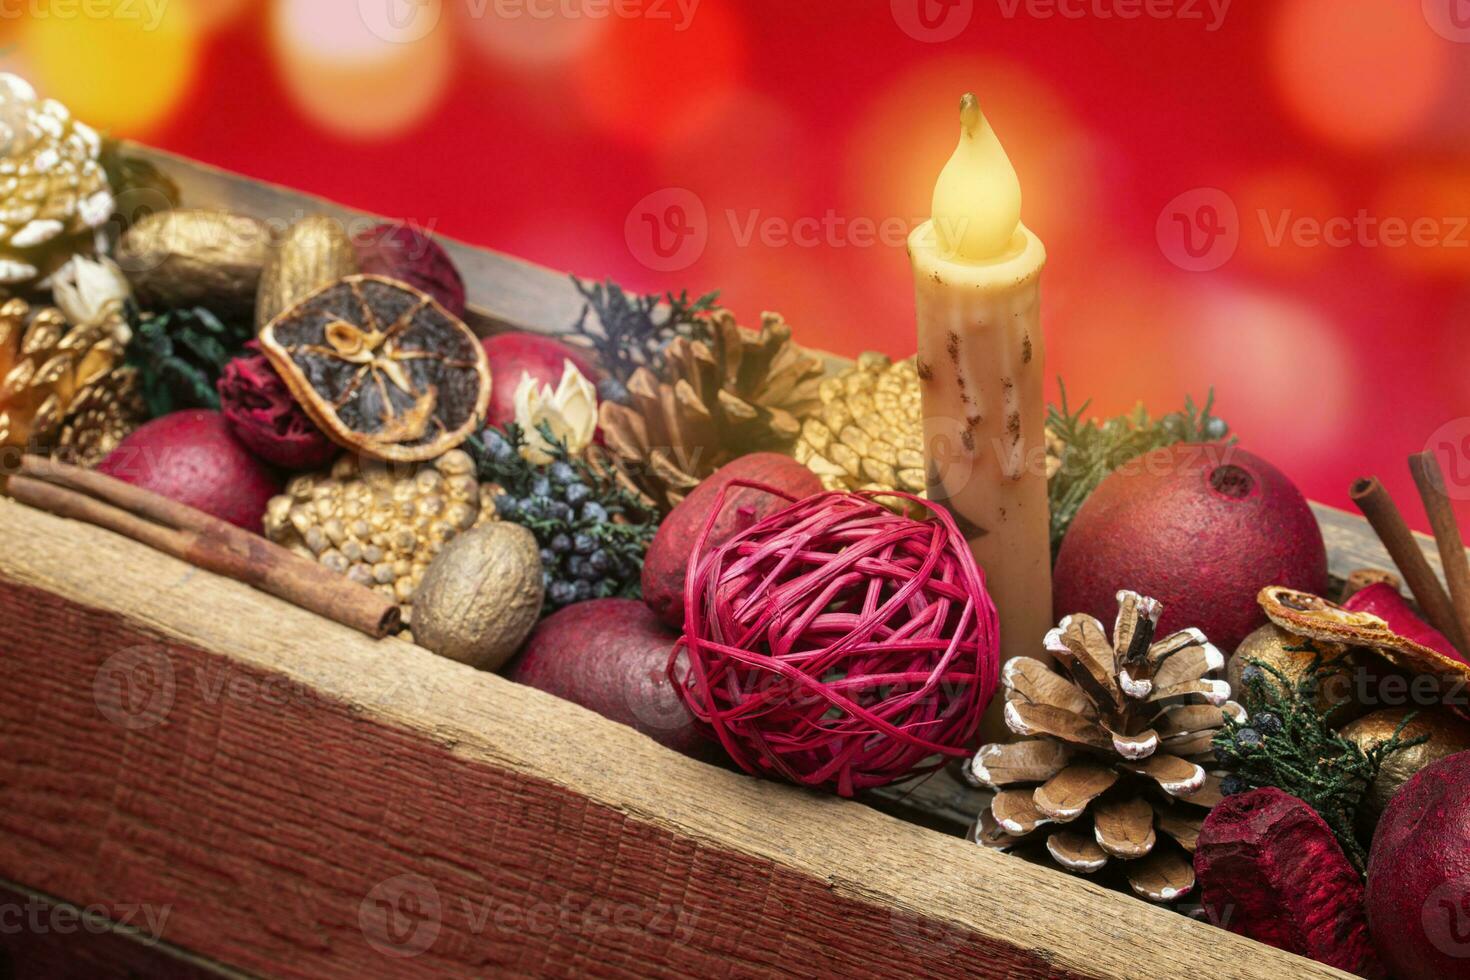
359,68
1279,213
123,68
1360,73
532,36
648,73
1424,220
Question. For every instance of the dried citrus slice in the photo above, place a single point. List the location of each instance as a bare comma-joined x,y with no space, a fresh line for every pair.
382,368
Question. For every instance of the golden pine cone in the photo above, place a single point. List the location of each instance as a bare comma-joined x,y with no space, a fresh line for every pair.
48,368
1119,739
380,524
102,416
53,189
743,391
868,432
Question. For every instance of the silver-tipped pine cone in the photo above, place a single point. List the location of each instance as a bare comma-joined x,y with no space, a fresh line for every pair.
1114,761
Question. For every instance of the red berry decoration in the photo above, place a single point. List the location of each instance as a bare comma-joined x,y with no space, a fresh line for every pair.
408,255
666,566
838,644
513,355
1419,875
1270,869
264,416
1200,527
192,457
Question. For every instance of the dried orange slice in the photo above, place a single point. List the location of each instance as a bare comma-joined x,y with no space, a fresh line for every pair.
382,368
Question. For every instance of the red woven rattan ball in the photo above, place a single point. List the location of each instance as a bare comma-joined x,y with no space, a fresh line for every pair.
839,644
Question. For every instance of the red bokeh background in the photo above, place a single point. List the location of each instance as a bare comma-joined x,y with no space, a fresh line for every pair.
547,128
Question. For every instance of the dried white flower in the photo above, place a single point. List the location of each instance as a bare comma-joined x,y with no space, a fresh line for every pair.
570,411
88,290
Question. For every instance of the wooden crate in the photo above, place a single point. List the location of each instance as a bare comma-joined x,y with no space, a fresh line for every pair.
198,778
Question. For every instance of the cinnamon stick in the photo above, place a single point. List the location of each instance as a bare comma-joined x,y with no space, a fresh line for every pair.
1380,510
201,540
1441,512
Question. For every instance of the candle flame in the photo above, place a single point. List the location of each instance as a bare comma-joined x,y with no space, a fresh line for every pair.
977,200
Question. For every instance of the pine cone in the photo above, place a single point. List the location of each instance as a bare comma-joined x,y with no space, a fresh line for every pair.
741,392
1122,735
868,432
102,416
48,369
53,190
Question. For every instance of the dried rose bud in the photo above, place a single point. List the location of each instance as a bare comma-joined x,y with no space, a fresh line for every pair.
263,415
408,255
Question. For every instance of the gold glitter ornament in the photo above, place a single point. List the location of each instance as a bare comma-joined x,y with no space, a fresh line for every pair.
868,432
53,190
50,373
380,524
1447,735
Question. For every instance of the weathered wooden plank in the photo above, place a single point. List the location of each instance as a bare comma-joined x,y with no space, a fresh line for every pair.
311,802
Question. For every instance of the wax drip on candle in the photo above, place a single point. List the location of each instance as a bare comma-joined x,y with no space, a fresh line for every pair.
977,200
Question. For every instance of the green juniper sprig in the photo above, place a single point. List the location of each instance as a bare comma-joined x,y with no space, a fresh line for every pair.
180,355
1286,742
591,531
1093,449
632,331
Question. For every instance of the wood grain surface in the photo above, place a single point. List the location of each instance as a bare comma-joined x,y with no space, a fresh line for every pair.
309,802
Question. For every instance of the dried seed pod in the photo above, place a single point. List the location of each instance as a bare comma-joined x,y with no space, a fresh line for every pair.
480,598
382,368
186,258
314,252
361,513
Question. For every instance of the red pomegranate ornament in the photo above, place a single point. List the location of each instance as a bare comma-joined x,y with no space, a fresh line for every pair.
1203,528
265,417
1419,875
513,355
192,457
402,252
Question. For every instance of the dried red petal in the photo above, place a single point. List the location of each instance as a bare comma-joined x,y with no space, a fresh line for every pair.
262,414
1270,869
408,255
1385,602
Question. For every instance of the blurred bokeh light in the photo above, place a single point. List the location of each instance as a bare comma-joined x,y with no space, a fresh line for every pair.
534,126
